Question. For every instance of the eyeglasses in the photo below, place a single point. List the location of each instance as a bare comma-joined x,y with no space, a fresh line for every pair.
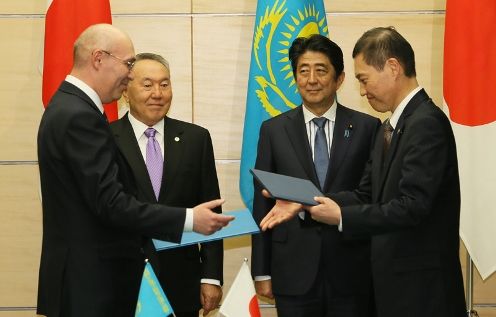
129,63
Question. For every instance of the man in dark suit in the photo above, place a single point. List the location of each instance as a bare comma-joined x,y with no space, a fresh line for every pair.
189,177
409,196
91,261
295,261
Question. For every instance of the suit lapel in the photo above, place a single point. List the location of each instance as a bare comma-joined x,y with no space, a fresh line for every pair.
69,88
398,132
173,151
126,140
341,139
297,135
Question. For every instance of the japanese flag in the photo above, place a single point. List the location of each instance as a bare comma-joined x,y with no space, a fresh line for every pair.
469,84
241,300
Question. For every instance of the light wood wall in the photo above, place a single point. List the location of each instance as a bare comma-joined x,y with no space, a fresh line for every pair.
208,44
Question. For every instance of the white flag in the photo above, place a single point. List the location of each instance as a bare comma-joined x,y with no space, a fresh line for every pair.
241,300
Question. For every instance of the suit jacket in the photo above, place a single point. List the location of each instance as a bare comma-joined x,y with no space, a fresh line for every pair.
292,253
91,258
409,202
189,178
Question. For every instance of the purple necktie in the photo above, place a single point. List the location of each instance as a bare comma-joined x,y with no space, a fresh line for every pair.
154,160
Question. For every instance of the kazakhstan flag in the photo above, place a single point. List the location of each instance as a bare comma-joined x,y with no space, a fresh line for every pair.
152,301
271,85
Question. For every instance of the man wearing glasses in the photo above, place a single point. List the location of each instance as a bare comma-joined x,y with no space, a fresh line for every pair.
92,260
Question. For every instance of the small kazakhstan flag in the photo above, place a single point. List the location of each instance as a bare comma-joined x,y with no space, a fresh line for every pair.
152,301
271,86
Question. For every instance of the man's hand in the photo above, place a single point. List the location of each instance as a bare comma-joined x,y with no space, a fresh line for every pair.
326,212
264,288
205,221
210,296
281,212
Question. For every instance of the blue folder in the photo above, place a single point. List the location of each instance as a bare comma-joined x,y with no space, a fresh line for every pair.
288,188
242,224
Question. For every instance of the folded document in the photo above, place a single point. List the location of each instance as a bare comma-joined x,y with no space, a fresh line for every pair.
242,224
288,188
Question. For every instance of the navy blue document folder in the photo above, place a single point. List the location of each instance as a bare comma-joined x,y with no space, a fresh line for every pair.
288,188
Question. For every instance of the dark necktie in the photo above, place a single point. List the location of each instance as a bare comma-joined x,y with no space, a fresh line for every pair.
320,151
388,134
154,160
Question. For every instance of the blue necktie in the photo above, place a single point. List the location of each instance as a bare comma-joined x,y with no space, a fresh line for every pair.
320,151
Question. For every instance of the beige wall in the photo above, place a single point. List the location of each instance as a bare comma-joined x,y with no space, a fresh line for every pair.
208,44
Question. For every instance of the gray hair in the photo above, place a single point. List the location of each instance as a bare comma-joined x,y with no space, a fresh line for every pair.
153,57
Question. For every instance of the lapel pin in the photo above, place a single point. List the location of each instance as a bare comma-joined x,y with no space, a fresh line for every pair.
347,132
177,139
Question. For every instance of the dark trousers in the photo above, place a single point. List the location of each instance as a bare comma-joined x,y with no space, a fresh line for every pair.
321,301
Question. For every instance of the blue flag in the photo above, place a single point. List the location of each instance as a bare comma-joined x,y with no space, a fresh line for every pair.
152,301
271,85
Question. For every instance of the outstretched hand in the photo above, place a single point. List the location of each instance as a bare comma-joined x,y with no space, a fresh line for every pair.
205,221
281,212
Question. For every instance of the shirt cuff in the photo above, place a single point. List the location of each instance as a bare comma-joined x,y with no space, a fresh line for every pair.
301,214
262,278
188,222
210,281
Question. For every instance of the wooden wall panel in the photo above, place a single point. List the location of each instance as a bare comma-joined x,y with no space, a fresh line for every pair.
150,6
221,61
20,87
117,6
228,174
249,6
24,313
20,235
23,7
171,38
383,5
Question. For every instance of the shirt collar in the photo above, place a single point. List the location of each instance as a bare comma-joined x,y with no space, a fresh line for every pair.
87,90
139,127
399,110
330,114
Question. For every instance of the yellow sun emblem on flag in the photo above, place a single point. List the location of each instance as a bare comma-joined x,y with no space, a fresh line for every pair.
274,33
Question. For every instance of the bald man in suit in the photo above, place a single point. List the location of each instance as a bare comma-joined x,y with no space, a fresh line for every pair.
91,258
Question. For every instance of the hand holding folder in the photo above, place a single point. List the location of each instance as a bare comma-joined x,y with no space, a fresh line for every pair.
242,224
291,195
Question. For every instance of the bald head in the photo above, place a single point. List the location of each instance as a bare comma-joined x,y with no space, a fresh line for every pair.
103,58
97,36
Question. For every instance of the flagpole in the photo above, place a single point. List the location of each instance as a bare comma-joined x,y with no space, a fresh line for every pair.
469,289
